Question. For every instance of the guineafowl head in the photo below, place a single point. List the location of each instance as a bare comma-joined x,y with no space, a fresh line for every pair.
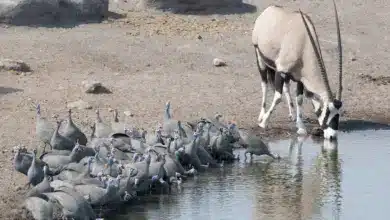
155,178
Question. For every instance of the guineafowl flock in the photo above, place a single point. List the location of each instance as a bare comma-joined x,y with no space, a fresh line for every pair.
75,177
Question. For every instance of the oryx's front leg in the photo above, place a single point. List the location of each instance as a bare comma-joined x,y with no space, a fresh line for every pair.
286,91
279,81
315,103
299,100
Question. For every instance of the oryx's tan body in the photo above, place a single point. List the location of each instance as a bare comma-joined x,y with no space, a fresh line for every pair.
286,43
281,37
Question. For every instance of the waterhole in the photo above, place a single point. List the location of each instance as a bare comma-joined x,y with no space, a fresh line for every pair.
314,179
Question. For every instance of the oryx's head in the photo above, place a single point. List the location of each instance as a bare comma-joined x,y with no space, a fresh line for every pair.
329,118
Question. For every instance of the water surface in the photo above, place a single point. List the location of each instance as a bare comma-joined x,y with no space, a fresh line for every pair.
314,180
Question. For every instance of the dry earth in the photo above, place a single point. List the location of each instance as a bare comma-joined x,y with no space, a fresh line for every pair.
148,58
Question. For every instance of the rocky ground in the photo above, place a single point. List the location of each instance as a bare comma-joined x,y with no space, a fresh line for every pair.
147,58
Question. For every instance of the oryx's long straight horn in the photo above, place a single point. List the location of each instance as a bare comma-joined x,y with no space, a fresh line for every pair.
340,50
318,56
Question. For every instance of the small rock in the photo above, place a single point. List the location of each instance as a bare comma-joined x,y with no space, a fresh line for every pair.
14,65
18,188
128,113
80,104
200,37
317,131
219,62
95,87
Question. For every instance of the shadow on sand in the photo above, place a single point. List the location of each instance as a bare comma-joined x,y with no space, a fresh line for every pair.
7,90
44,14
205,7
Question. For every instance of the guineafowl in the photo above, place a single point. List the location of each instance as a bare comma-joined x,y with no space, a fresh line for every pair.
102,130
22,160
60,142
40,208
35,172
116,125
72,132
43,186
43,128
170,124
255,145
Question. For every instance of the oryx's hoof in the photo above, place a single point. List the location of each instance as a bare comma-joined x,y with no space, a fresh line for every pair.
301,131
262,125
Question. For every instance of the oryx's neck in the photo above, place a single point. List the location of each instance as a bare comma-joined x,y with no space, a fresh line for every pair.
311,76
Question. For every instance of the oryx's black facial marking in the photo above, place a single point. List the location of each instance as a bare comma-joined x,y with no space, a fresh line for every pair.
337,104
334,122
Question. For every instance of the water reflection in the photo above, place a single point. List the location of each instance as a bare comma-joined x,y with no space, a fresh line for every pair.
304,184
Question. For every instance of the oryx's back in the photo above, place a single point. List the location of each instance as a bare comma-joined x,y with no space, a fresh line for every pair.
278,27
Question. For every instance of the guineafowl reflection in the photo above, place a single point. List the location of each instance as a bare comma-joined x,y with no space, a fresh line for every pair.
302,186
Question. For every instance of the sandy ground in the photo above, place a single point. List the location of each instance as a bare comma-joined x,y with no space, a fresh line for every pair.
149,58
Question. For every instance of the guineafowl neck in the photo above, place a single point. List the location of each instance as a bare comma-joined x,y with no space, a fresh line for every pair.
167,115
73,155
89,168
98,119
70,121
169,146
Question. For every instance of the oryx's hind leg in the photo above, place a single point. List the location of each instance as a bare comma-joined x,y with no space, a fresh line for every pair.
278,83
299,100
284,64
263,75
287,93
